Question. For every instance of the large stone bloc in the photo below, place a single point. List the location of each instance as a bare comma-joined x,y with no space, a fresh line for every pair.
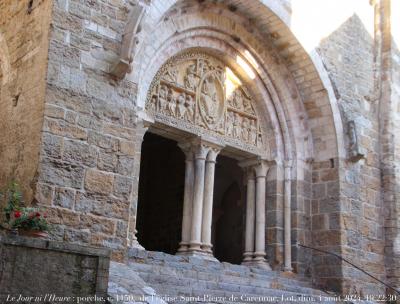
61,173
99,182
34,267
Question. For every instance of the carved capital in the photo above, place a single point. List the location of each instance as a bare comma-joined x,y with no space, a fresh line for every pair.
201,151
187,149
261,169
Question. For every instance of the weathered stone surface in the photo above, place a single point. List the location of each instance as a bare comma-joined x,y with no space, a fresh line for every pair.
98,181
62,173
80,153
38,267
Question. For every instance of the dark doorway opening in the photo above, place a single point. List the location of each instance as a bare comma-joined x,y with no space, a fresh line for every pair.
228,211
161,187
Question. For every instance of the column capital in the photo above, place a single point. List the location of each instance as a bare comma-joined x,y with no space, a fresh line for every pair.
261,169
205,149
213,153
187,149
288,165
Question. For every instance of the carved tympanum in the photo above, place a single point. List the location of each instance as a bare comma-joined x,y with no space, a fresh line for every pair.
192,91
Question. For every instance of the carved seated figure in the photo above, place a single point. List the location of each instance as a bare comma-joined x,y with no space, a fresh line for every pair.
189,104
163,99
180,107
171,103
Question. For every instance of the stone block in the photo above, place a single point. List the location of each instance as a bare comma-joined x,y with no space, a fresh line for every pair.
98,181
61,173
125,166
97,224
51,145
123,186
64,197
44,194
79,152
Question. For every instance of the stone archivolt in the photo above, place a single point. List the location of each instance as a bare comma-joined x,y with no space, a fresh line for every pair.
192,91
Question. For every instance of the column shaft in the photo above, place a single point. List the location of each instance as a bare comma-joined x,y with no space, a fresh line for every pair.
198,194
187,201
250,218
259,254
287,220
208,201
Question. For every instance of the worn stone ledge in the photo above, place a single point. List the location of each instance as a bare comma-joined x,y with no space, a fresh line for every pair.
54,245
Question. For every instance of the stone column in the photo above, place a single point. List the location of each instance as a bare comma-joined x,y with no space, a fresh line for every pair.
250,217
198,196
259,254
208,200
287,217
188,198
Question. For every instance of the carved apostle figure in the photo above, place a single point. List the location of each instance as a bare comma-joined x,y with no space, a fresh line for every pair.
245,129
229,123
163,99
238,99
180,107
237,126
253,132
189,104
171,103
191,80
153,104
247,106
171,74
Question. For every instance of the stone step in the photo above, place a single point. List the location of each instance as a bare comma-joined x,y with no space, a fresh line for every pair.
228,281
270,295
190,271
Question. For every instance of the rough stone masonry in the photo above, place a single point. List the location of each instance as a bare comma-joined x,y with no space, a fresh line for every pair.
77,80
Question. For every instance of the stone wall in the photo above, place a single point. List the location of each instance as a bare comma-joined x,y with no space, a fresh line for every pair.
24,27
86,170
47,269
388,42
352,220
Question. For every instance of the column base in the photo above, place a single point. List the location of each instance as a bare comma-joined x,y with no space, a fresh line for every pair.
247,257
183,247
198,254
263,264
288,269
207,248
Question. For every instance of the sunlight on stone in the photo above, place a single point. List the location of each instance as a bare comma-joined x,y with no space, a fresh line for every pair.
396,22
231,82
250,58
329,15
243,64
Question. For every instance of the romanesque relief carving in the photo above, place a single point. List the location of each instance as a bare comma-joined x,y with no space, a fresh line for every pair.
193,90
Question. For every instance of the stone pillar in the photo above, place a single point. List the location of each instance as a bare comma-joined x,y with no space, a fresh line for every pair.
187,199
142,126
208,200
287,217
198,197
250,218
259,254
